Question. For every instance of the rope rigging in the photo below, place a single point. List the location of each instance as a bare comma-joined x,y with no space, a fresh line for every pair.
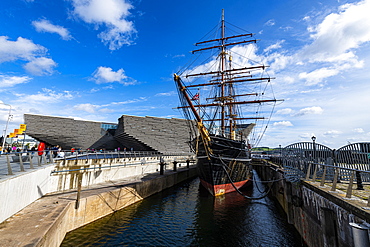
265,193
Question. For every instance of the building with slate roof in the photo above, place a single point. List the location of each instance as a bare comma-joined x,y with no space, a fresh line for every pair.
131,132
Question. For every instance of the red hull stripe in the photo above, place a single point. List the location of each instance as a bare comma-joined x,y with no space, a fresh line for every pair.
221,189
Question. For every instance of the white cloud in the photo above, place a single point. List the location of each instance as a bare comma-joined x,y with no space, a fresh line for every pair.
270,22
332,133
340,32
46,26
44,98
358,130
85,107
310,110
22,48
26,50
317,76
107,75
166,94
283,124
285,111
274,46
41,66
10,81
110,13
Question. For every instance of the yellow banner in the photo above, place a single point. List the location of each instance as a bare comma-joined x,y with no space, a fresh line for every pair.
16,131
23,127
11,135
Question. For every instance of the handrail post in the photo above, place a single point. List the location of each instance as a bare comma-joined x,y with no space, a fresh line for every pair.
30,159
335,180
10,172
323,177
43,158
315,172
79,185
51,160
308,171
350,185
38,160
21,162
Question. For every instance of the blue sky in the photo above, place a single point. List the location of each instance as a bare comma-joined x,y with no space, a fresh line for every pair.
100,59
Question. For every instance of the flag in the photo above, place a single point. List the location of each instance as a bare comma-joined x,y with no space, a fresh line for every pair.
195,97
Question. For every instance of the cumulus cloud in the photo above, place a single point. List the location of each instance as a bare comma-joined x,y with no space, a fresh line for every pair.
26,50
283,124
112,14
22,48
40,66
107,75
46,26
340,32
10,81
310,111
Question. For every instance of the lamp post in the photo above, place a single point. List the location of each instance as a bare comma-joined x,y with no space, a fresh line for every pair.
6,126
314,147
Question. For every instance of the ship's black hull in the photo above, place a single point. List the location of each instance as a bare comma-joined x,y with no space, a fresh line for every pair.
226,168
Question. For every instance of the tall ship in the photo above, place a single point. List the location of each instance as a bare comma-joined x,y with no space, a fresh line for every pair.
224,95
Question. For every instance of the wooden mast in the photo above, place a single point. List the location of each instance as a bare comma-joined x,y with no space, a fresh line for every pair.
223,61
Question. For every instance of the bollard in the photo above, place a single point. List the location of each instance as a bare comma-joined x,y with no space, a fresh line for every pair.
360,235
175,166
335,180
323,177
161,166
30,159
359,181
21,162
10,172
350,185
187,163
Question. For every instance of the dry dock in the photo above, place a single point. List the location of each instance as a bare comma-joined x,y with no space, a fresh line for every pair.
46,221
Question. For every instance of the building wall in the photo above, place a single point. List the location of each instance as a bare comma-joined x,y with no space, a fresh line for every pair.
65,132
140,133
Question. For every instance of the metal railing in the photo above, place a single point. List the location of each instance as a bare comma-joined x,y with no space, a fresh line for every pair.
318,163
39,158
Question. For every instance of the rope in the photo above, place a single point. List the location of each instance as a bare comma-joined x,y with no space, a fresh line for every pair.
241,193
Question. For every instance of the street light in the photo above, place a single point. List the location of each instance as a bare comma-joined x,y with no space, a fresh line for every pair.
314,147
6,127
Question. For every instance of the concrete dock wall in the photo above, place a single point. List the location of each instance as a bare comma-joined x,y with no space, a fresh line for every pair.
47,220
321,217
19,191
